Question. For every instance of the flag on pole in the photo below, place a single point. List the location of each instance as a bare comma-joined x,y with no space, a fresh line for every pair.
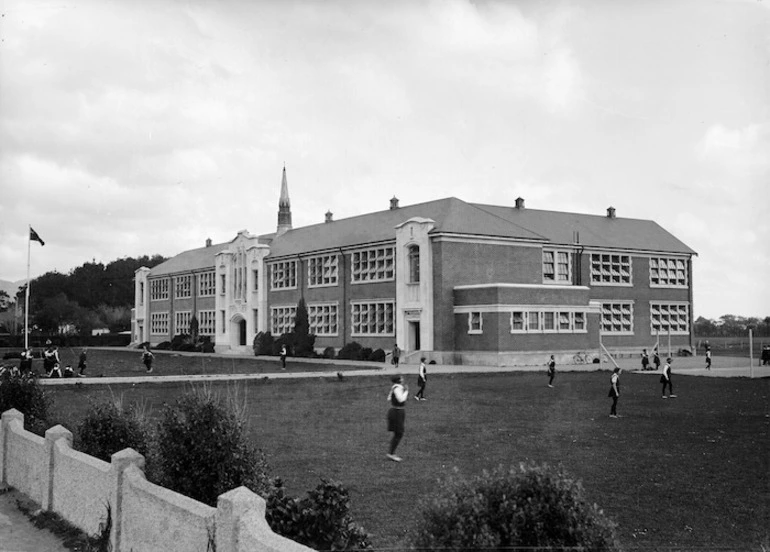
34,237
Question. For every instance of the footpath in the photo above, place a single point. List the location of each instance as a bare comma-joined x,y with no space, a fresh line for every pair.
19,534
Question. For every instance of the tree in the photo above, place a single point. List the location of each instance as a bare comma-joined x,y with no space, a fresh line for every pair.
5,300
302,339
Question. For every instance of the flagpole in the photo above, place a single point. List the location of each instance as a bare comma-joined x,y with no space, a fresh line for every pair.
26,300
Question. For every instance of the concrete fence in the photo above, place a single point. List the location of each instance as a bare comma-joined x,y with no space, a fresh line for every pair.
87,491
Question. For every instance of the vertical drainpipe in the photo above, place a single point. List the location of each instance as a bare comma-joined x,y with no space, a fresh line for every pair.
690,298
342,313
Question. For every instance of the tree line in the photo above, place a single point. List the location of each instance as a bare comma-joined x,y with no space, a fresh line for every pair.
90,296
729,325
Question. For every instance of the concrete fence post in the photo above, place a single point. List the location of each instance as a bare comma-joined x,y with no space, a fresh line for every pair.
120,462
5,430
231,507
52,436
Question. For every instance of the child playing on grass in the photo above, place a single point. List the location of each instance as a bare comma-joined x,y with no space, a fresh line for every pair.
396,414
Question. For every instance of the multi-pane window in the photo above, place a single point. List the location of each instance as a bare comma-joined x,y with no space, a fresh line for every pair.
617,318
238,272
159,289
322,319
282,320
182,322
141,293
283,275
183,286
206,284
222,284
414,264
255,275
673,317
556,266
374,318
475,322
373,265
207,322
548,321
322,271
159,323
610,269
666,271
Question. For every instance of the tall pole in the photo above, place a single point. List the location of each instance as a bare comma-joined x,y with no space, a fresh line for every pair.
26,295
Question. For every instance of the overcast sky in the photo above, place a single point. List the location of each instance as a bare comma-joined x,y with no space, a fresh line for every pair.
132,128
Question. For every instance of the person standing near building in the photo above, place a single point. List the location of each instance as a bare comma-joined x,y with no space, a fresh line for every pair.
396,414
396,355
283,357
645,360
614,392
656,358
82,361
708,359
422,380
147,358
665,379
551,371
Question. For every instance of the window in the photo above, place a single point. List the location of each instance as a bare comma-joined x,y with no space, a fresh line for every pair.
159,289
182,322
414,264
322,319
617,318
206,284
374,318
282,320
556,266
159,323
239,271
206,322
673,317
373,265
222,284
255,275
475,323
668,272
610,269
141,293
533,321
548,321
183,287
283,275
322,271
223,318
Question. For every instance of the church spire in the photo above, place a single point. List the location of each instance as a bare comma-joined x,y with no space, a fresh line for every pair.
284,207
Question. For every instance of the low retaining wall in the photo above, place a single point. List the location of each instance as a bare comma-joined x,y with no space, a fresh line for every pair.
145,517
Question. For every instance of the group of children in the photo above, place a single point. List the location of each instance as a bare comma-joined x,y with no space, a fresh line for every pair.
52,363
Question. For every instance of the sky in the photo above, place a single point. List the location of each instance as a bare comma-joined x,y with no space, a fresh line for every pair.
142,128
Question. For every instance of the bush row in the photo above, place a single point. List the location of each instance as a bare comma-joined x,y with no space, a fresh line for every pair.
265,344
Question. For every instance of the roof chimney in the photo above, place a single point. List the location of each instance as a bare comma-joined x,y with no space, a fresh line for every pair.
520,203
394,203
329,216
208,242
610,212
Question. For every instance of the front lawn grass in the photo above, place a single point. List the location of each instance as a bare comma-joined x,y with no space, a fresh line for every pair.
690,473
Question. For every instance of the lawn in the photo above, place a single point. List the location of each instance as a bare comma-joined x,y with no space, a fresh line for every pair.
689,473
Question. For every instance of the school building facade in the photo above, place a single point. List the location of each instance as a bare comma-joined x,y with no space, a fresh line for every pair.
455,281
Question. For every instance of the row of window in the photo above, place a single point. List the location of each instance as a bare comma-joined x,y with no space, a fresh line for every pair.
374,318
613,269
159,322
183,285
616,318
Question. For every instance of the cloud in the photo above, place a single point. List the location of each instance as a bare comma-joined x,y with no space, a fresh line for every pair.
742,152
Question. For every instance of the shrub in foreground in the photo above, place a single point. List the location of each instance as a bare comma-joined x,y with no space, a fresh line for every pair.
23,393
203,450
350,351
533,507
108,427
321,520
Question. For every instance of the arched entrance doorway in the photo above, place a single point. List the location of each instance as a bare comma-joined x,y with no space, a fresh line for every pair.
238,332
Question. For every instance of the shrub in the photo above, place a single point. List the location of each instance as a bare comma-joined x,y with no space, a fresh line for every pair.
321,520
329,352
366,353
108,427
163,346
535,507
202,448
350,351
23,393
263,344
378,355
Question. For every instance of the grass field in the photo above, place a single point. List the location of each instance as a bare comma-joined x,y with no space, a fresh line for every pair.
691,473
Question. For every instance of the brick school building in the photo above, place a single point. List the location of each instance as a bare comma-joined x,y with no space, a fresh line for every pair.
455,281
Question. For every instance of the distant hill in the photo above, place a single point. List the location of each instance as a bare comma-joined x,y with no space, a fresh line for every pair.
11,287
